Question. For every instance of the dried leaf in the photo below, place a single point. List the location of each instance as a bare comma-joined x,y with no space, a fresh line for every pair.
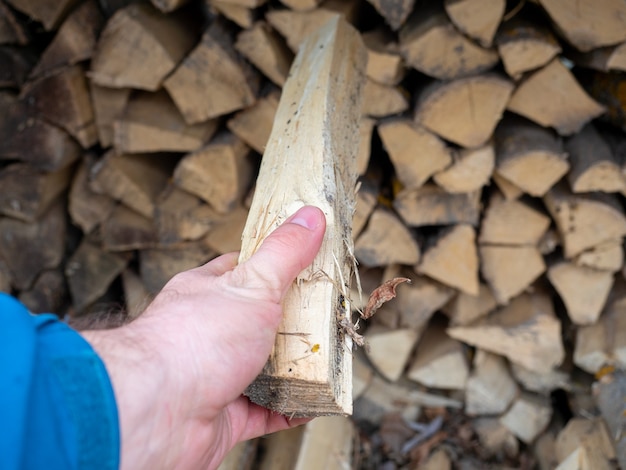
382,294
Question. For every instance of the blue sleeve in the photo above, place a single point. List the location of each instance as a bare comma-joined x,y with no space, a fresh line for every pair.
57,407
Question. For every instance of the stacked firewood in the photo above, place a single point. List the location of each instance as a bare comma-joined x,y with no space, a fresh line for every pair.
493,175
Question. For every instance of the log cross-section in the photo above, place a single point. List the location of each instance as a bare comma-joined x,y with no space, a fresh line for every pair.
311,159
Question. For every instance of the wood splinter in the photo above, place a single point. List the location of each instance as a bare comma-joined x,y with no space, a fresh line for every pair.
310,158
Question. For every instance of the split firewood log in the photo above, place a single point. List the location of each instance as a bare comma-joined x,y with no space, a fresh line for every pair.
87,208
528,417
591,24
415,152
390,349
63,99
479,19
90,271
470,171
524,46
509,270
239,14
594,167
28,248
386,240
27,192
441,108
139,47
135,180
126,230
152,123
264,48
254,124
432,205
440,361
578,217
75,40
219,173
431,44
529,156
108,106
584,290
384,63
49,12
512,222
395,12
213,80
490,386
552,97
295,26
453,260
526,332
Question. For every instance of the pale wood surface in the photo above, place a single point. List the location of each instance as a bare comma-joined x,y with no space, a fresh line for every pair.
386,240
152,123
295,26
135,180
584,291
594,166
383,100
479,19
253,125
464,308
415,152
526,331
240,14
529,156
389,349
440,361
431,44
75,40
432,205
490,387
512,222
470,171
525,46
577,218
212,80
442,108
607,256
395,12
328,69
219,173
591,437
591,24
159,42
453,259
509,270
553,98
266,50
528,417
384,63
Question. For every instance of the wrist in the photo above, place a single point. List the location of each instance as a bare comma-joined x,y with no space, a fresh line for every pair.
139,381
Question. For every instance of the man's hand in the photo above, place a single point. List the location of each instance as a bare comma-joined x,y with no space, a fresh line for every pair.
180,369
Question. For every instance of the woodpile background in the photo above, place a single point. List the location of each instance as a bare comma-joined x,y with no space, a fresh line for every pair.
493,163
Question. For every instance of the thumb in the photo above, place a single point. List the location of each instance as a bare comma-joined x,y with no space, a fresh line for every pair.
284,253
